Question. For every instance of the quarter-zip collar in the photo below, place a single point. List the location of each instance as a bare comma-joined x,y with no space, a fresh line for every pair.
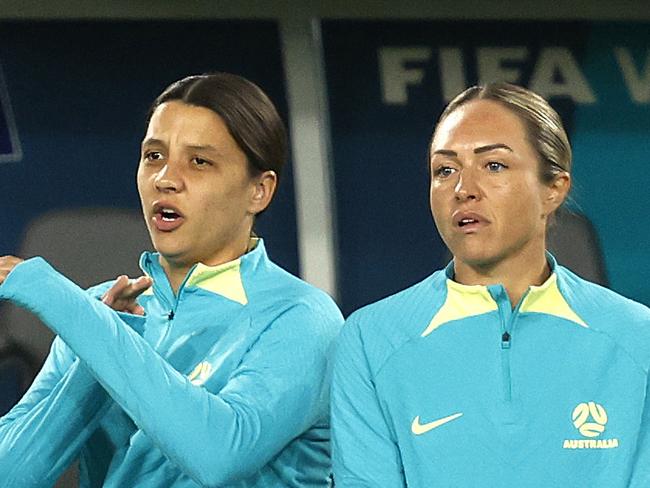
464,301
224,279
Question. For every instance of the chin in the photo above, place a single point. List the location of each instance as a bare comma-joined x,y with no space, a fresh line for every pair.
169,251
476,257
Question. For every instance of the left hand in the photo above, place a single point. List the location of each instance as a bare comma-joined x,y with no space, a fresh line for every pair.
124,292
7,264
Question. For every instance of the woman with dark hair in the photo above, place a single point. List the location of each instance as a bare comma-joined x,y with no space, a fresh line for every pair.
504,369
211,369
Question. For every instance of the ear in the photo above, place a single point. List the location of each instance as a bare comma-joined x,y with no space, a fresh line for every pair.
264,186
557,192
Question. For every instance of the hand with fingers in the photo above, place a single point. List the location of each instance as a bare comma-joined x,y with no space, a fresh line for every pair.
124,292
7,264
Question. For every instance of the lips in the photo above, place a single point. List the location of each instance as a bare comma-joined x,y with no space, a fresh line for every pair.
468,222
166,217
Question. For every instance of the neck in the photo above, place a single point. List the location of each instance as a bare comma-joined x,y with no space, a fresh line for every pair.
177,270
516,273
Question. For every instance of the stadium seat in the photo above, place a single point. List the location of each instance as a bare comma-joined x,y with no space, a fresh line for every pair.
574,242
88,245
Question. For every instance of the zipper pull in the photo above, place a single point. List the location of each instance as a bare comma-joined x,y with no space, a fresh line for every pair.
505,340
170,315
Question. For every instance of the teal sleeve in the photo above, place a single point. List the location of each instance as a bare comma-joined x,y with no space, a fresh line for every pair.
44,432
641,470
364,451
274,395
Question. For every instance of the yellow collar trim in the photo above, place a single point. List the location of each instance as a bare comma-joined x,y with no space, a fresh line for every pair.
548,299
470,300
462,301
224,279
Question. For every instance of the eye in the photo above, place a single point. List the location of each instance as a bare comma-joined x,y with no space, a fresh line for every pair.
495,166
201,161
152,156
444,172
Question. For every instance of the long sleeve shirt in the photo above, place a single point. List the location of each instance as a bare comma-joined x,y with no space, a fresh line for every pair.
224,383
445,384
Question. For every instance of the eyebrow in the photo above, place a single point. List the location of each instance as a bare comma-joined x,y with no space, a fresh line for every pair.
195,147
492,147
445,152
203,147
152,141
478,150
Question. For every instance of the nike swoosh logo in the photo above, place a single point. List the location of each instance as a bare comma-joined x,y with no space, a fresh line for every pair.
418,429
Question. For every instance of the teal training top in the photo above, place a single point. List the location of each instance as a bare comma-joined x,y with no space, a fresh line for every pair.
445,385
223,384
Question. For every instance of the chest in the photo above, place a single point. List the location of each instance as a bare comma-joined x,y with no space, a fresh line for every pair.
202,336
555,391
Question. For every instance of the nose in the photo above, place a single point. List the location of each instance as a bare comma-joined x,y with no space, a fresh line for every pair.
168,179
467,187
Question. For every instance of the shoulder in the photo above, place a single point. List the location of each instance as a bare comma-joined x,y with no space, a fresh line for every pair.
403,307
269,286
625,321
383,327
598,304
281,299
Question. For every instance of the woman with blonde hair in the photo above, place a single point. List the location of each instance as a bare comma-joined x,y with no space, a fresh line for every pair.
505,368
